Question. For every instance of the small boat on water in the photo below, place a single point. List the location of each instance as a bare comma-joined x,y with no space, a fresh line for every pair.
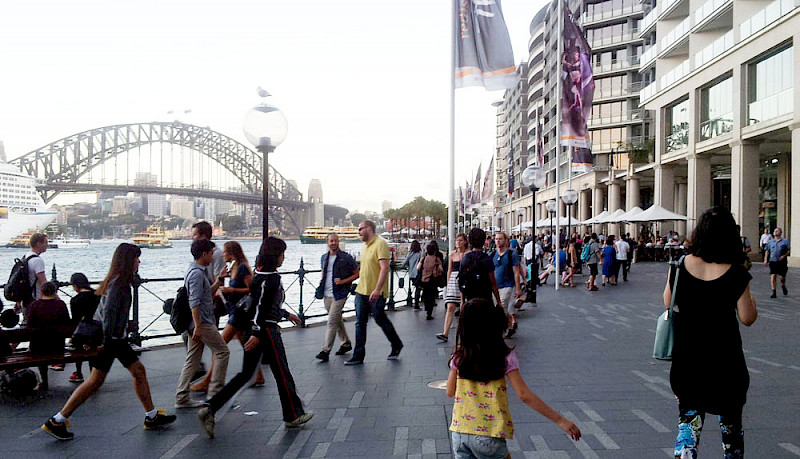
62,242
23,241
153,238
319,234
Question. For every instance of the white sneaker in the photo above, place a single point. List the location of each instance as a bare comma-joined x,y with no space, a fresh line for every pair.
300,420
189,404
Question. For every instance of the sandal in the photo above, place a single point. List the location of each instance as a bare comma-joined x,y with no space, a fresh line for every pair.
199,387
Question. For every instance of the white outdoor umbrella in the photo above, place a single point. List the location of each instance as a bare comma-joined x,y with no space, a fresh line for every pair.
613,217
657,213
565,221
596,218
515,229
627,215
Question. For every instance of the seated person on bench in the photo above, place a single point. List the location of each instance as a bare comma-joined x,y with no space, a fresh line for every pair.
48,311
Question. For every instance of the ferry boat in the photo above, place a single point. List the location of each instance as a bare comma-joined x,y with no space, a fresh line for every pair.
23,241
21,207
62,242
319,234
153,238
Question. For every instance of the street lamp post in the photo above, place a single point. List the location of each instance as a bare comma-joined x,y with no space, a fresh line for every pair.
520,213
499,216
551,208
533,178
570,197
265,127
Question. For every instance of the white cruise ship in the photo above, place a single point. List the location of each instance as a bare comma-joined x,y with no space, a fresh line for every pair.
21,207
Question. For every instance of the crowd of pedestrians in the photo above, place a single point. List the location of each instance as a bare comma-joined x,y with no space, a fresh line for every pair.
484,290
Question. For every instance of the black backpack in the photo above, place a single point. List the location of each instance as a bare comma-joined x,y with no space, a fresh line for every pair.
18,383
473,279
180,315
18,287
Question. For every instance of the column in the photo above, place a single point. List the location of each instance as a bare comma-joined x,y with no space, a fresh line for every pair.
614,198
794,198
698,194
744,187
783,193
597,205
680,206
664,192
632,200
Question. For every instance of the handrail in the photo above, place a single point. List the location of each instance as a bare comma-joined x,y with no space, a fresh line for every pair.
135,332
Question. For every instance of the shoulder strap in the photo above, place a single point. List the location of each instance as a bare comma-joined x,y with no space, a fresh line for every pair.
675,286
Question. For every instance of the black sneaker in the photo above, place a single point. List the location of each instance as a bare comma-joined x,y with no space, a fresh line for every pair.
161,419
353,361
785,291
395,353
773,295
323,356
442,337
58,429
344,349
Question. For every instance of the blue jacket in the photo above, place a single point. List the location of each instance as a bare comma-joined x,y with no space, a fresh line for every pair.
343,267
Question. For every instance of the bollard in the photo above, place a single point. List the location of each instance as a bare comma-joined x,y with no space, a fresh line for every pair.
302,273
134,333
54,274
390,304
408,297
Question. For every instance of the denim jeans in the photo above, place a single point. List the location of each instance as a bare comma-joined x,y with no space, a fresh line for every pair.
365,307
468,446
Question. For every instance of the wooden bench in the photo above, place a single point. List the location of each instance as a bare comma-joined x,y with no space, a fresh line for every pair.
24,359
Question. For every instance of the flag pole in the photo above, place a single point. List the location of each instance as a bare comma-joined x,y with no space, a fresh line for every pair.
559,96
451,214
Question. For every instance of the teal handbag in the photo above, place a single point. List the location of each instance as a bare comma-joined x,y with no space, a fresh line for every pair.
665,333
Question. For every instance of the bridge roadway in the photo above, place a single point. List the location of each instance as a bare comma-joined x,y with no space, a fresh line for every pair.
588,355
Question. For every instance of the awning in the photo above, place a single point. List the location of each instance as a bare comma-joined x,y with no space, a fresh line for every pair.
657,214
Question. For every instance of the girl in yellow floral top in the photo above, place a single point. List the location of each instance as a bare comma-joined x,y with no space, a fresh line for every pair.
479,366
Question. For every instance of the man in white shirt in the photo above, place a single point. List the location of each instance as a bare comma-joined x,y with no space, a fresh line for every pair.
762,243
623,254
36,276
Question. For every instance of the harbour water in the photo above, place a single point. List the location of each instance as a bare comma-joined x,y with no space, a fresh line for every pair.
174,262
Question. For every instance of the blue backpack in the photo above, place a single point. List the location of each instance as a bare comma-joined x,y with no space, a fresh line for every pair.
586,253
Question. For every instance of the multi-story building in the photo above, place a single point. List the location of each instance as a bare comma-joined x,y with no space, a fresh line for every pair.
724,84
617,124
183,208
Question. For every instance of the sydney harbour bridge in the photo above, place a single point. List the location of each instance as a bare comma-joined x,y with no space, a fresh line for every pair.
180,159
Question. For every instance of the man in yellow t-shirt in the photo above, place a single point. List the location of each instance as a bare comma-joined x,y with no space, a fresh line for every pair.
371,293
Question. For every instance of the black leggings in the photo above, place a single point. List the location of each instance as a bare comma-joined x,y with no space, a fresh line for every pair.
270,350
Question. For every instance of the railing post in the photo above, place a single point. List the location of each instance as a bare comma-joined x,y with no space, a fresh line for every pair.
408,288
135,337
54,274
390,305
302,273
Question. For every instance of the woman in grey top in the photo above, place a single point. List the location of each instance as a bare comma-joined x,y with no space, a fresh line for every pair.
115,305
410,263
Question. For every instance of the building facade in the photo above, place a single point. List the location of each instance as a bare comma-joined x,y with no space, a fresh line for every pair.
723,79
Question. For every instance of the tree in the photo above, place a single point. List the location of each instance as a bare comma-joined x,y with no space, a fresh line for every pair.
233,224
356,218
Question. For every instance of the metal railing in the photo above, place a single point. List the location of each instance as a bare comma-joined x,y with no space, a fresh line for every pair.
141,285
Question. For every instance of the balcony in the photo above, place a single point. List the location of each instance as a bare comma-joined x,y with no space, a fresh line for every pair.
709,9
648,91
671,9
770,107
634,115
678,140
615,65
765,17
716,127
600,16
627,36
648,21
613,93
676,74
648,56
719,46
677,34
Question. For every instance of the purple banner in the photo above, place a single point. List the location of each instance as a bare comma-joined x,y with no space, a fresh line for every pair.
577,84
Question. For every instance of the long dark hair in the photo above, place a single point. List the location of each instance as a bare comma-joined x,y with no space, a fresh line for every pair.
432,248
121,267
715,238
271,249
480,350
415,247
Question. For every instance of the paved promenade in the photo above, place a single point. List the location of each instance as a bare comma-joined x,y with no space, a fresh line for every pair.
587,355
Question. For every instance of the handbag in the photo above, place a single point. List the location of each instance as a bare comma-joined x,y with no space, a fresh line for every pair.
88,332
665,331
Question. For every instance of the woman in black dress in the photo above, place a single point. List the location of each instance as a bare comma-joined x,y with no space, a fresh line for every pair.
709,373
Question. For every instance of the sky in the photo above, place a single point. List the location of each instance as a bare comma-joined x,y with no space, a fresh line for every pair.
364,84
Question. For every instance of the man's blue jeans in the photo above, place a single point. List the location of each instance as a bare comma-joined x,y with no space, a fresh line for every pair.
364,308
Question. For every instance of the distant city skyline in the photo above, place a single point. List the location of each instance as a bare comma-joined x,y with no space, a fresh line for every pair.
367,104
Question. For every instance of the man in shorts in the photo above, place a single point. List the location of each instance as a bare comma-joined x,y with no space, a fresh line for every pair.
507,273
594,259
777,251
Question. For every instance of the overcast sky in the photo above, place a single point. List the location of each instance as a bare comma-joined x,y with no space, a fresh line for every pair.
364,84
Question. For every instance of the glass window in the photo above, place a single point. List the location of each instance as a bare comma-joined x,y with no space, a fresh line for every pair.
770,86
677,117
716,109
